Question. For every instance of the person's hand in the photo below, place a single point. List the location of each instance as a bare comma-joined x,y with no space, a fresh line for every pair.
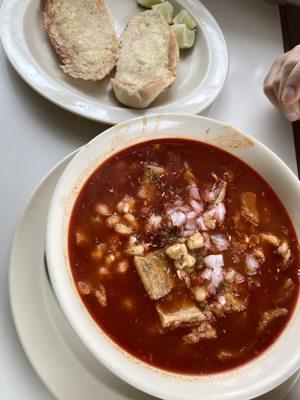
282,84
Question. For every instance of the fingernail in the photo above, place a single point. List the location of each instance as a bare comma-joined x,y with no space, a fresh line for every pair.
288,93
291,116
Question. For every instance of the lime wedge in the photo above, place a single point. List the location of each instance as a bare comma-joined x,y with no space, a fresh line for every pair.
149,3
185,18
184,36
165,9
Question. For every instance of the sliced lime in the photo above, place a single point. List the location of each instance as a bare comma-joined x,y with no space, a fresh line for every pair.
184,36
185,18
149,3
166,9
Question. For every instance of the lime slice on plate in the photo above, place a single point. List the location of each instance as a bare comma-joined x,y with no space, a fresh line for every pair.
184,36
185,18
166,9
149,3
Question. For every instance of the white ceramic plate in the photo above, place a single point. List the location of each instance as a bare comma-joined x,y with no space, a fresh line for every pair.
200,78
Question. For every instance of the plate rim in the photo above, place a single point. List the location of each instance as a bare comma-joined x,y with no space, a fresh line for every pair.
107,113
12,301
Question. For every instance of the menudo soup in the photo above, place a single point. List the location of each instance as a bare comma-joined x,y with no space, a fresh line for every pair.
184,256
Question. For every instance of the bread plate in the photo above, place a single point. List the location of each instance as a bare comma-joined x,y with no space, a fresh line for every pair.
200,78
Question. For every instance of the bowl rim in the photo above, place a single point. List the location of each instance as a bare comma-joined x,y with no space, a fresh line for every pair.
260,386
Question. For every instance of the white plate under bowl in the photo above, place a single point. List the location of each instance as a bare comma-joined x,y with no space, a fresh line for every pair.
60,359
201,74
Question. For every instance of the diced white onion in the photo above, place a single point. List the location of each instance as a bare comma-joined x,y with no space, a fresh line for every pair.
220,241
214,261
153,222
151,219
184,208
252,264
189,226
194,193
207,242
239,278
220,212
171,210
209,196
157,221
186,164
178,202
201,224
187,233
222,300
197,206
217,276
178,218
191,215
216,279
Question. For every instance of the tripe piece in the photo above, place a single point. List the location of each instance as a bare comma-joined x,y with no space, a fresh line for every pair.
154,271
175,312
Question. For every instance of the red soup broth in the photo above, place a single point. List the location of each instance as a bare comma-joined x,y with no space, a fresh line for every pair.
184,256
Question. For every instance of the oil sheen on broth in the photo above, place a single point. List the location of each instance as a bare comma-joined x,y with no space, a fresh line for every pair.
184,256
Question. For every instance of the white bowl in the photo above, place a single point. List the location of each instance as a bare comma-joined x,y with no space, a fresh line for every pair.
260,375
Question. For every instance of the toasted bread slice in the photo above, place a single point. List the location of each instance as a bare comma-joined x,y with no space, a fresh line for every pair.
148,60
83,36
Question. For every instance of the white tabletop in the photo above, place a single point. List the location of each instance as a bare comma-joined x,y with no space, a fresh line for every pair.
34,135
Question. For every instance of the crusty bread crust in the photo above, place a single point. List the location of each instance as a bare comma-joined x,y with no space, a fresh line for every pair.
74,54
173,54
139,91
138,97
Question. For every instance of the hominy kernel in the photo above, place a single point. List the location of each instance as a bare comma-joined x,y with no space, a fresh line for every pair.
98,252
112,220
102,271
123,207
84,287
102,209
200,294
135,250
123,266
123,229
81,238
100,294
176,251
110,259
195,241
131,241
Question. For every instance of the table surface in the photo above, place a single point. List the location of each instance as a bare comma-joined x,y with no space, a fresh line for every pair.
35,134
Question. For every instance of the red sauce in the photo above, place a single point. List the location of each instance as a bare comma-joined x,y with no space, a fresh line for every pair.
128,316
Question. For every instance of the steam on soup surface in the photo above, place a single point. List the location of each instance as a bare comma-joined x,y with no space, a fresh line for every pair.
184,256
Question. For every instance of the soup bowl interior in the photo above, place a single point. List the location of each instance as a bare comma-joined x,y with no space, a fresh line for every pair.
258,376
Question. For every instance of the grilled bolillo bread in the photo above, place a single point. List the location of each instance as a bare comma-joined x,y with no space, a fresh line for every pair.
83,36
148,60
